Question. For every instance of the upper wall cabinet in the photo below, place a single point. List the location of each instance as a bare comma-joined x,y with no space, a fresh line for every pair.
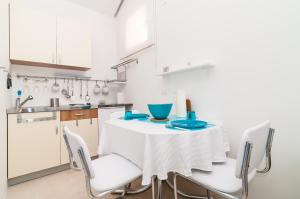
32,35
73,43
41,38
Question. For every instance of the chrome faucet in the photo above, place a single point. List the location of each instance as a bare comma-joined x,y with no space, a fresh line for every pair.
20,104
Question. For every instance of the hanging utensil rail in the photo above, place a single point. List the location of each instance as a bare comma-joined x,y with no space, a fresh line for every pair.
67,78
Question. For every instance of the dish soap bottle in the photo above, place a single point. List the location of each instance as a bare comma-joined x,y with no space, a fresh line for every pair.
18,100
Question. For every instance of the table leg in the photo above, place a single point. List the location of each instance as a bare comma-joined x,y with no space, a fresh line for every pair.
181,193
159,189
153,186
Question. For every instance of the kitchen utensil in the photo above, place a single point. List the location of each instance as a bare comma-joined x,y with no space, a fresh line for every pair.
86,106
55,86
87,97
76,104
67,95
51,102
105,89
97,89
64,90
54,102
160,111
80,89
72,92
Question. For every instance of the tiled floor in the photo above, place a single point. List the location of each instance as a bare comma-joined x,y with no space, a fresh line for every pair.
71,185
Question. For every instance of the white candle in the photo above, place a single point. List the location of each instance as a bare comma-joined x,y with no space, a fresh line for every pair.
180,103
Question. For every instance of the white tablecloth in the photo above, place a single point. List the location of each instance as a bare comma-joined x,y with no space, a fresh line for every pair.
158,150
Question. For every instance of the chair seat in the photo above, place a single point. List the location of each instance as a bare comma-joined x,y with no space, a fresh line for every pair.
112,172
222,178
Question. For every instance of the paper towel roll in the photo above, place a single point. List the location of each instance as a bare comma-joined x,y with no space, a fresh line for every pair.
180,103
120,98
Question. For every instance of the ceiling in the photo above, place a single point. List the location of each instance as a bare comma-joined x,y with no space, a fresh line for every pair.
108,7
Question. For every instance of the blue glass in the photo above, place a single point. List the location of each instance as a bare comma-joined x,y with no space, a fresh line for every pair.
160,111
128,115
191,115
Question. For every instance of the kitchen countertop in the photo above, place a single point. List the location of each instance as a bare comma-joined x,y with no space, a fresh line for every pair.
37,109
114,105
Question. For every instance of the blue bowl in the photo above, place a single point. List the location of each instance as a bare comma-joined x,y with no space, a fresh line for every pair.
160,111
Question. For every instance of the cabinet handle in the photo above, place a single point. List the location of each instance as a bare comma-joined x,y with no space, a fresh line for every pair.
79,114
56,130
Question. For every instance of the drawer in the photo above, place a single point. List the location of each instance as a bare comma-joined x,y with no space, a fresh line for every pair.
78,114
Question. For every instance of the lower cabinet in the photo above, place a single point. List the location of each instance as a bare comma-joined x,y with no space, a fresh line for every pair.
33,144
35,140
87,129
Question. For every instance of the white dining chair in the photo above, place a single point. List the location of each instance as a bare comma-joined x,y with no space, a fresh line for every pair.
230,179
103,175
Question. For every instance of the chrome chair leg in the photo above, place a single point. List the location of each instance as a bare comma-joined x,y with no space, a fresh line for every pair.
181,193
133,192
209,196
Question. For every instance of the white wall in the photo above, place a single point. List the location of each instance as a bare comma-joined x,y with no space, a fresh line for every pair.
103,52
4,48
255,45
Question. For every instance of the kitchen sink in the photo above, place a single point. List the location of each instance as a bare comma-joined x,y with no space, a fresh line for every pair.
27,110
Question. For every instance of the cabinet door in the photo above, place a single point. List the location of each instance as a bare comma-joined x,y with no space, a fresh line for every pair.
74,46
88,130
32,34
32,146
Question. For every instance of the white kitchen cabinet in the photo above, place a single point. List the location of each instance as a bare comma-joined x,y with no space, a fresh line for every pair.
33,145
87,129
41,37
73,43
32,34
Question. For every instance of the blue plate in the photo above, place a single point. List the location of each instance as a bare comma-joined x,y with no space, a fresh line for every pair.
189,124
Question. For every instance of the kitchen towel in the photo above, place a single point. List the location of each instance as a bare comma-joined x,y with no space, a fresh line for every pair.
9,81
180,103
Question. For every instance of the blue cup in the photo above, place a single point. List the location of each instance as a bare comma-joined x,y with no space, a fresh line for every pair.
128,115
191,115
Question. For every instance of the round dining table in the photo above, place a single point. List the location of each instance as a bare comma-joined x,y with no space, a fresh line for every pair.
159,150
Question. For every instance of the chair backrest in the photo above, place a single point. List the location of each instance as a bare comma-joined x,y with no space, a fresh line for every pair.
76,143
258,137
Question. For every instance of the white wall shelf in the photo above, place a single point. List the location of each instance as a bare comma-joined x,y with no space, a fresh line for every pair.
187,68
